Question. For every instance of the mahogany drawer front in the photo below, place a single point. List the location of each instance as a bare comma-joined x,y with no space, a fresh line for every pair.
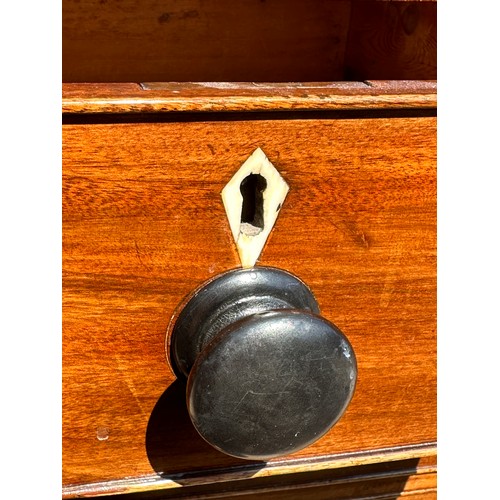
144,225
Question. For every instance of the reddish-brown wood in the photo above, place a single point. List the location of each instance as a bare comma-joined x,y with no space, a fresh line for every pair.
392,41
203,40
143,225
205,97
249,40
388,486
377,481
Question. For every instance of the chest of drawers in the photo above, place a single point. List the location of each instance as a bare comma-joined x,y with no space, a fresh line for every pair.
144,225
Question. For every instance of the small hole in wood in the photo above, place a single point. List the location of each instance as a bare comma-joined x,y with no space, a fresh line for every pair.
102,433
252,189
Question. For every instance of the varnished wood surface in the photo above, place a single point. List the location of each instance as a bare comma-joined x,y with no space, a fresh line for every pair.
392,40
384,480
212,96
278,472
200,40
143,225
247,40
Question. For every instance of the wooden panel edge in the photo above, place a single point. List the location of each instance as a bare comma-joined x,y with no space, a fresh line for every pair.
228,96
420,482
419,1
155,482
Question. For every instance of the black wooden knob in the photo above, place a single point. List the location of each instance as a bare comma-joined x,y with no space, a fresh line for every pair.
266,375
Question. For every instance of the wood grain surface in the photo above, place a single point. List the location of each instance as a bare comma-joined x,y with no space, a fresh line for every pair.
143,225
392,41
212,96
203,40
387,481
247,40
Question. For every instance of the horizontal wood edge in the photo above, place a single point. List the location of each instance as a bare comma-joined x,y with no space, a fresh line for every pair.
421,481
419,1
155,482
81,98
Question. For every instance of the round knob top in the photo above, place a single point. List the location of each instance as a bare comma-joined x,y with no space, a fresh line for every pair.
271,383
227,298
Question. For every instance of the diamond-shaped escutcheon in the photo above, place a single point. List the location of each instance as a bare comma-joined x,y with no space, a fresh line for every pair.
253,199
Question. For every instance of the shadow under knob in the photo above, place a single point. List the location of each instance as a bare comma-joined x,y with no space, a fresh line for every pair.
266,375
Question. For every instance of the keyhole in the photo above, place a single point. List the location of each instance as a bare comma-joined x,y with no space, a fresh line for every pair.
252,189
